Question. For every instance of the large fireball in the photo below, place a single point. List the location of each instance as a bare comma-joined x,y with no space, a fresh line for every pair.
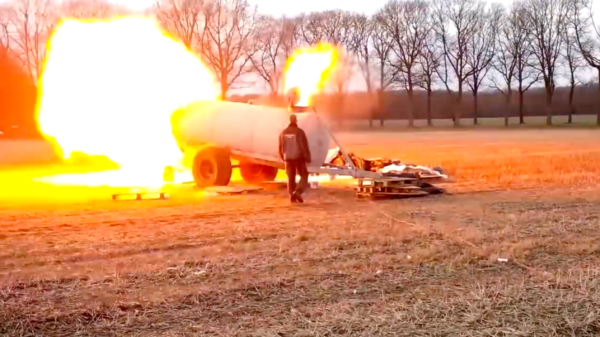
308,69
109,88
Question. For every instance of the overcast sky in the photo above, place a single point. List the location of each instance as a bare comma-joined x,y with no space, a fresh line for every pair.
279,7
288,7
291,7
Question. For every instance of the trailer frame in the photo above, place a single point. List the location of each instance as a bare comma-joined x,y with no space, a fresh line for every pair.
378,185
349,168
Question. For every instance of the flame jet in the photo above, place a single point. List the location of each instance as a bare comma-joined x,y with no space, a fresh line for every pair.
307,70
108,88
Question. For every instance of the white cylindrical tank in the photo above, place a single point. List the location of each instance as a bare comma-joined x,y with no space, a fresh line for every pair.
250,130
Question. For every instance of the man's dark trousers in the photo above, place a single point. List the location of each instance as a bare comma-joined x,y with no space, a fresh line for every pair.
293,167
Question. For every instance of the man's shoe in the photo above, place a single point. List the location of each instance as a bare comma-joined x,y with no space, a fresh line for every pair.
299,198
293,198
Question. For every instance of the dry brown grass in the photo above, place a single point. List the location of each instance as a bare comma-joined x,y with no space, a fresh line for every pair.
337,266
494,158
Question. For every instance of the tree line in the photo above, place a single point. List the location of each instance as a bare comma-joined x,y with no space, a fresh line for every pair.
419,47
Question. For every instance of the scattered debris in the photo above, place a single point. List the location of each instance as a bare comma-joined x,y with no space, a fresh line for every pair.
386,166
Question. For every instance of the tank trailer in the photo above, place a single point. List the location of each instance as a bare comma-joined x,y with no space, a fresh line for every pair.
217,132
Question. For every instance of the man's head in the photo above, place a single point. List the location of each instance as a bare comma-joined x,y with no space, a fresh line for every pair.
293,119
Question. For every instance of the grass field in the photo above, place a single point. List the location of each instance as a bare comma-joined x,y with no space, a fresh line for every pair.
513,250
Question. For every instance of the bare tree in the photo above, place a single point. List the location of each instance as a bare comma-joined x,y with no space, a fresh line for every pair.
182,18
443,71
312,27
292,40
32,23
455,24
587,37
339,79
89,9
480,50
275,38
5,31
429,63
513,59
360,45
521,48
408,25
382,47
574,61
505,64
227,43
548,23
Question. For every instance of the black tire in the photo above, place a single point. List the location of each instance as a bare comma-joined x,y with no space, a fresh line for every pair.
211,167
256,173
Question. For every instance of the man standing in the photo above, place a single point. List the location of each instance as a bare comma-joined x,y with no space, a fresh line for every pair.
294,151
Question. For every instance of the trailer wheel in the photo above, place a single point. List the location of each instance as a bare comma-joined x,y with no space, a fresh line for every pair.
256,173
211,167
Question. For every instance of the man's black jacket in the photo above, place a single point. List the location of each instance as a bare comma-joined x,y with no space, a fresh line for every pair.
293,144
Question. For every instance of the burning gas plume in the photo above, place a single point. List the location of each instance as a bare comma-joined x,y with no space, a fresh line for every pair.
308,69
109,88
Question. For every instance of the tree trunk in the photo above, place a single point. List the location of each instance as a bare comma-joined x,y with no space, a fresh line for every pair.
411,106
340,103
507,108
381,92
368,77
372,109
458,105
548,107
571,107
429,123
224,88
411,102
521,101
380,106
598,111
475,107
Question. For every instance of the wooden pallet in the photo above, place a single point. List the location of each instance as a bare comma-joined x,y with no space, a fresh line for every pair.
140,196
394,188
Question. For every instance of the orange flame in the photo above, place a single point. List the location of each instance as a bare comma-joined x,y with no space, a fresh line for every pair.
308,69
109,88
